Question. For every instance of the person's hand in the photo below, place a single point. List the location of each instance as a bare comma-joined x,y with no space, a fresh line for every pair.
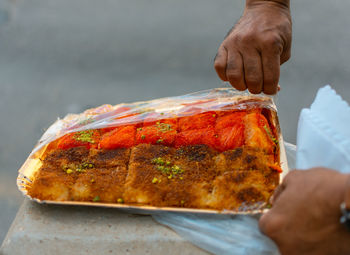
252,52
305,213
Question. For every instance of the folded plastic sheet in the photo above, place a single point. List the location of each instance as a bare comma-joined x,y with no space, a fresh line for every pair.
220,234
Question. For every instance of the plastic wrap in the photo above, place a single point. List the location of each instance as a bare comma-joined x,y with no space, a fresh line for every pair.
142,114
104,116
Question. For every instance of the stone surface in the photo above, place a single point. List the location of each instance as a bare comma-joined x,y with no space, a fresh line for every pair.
42,229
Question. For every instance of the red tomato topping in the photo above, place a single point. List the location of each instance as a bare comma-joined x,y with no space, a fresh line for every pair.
160,133
121,137
258,133
229,120
199,121
86,138
198,136
231,137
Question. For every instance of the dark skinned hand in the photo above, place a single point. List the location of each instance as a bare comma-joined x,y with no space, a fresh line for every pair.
251,54
305,213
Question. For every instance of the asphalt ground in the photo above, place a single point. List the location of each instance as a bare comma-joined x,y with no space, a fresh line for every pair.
58,57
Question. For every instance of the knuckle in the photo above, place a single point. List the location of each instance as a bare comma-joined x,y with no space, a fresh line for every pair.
233,75
272,42
237,38
253,81
249,38
240,39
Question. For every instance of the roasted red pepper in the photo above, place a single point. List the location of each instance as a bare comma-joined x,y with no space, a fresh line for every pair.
121,137
86,138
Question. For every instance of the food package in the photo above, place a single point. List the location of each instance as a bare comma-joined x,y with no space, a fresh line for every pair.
211,151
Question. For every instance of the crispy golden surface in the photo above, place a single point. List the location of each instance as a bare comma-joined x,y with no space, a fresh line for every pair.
195,176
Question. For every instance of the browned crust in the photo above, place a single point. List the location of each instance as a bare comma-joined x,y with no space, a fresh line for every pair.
230,180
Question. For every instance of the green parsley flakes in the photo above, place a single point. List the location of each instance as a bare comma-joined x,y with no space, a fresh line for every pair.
96,199
158,161
163,127
85,136
167,168
270,134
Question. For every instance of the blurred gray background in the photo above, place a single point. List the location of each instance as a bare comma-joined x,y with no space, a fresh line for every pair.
61,56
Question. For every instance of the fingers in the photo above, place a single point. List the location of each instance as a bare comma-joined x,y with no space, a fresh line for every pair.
235,71
271,69
253,74
220,63
249,69
270,223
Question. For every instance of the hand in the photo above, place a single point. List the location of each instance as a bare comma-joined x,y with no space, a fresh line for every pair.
305,213
252,52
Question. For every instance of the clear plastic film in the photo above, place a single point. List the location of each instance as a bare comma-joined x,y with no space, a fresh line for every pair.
159,113
104,116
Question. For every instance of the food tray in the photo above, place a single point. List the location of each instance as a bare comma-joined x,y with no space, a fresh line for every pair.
105,116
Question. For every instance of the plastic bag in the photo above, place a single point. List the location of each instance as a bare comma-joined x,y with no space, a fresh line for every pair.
220,234
192,132
238,235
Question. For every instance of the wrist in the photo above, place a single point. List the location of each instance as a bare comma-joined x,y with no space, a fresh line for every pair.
279,3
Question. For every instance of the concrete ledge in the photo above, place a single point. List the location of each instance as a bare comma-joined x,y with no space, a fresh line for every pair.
43,229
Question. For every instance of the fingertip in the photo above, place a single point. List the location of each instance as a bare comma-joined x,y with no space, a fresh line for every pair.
270,224
263,221
240,86
254,87
270,89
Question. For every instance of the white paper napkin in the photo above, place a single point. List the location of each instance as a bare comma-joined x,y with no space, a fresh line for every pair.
324,133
